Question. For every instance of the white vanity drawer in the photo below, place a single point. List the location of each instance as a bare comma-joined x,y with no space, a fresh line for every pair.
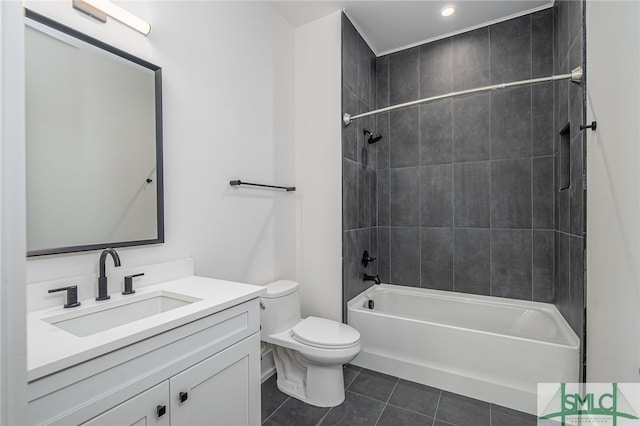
81,392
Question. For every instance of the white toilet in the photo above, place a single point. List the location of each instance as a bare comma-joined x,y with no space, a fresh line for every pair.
308,353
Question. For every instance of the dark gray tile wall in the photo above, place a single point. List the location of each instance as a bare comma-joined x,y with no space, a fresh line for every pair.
436,262
361,182
510,47
511,263
472,260
471,128
404,186
404,137
436,73
403,76
462,194
569,111
404,256
465,186
472,195
436,134
511,122
470,59
436,195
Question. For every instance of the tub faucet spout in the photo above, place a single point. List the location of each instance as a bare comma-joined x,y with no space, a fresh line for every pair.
374,278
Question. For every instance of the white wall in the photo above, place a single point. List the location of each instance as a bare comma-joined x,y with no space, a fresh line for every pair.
228,75
12,218
613,197
319,166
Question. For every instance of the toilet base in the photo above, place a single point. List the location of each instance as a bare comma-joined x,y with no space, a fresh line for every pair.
318,385
325,386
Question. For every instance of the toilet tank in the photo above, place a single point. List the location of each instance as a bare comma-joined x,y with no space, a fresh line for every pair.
281,307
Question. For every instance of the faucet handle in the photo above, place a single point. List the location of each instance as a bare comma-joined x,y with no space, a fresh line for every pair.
128,283
72,295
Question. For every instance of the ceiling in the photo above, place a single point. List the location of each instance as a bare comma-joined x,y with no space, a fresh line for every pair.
389,26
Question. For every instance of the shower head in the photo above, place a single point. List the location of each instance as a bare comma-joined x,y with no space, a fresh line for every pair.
373,137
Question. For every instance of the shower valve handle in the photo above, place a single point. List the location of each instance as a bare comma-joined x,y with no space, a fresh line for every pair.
366,259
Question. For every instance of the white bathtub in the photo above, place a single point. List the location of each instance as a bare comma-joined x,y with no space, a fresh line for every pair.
489,348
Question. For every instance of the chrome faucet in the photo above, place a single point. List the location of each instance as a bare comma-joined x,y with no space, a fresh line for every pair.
102,279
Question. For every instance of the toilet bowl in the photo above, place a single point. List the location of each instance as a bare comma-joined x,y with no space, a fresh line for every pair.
308,353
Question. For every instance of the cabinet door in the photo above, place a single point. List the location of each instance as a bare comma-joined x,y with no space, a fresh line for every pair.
221,390
139,410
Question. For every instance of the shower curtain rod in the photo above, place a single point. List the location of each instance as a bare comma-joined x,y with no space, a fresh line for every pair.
575,76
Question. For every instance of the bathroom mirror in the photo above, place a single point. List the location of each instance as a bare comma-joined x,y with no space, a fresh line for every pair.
93,143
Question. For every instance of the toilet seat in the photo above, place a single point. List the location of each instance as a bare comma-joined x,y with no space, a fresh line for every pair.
325,334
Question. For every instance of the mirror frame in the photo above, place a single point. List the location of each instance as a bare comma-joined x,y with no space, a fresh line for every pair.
34,16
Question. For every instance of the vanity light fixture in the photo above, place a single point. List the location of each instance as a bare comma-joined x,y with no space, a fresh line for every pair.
100,9
448,11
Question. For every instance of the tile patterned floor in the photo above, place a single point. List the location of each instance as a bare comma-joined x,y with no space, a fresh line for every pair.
376,399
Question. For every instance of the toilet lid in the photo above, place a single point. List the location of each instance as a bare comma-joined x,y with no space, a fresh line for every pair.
280,288
324,333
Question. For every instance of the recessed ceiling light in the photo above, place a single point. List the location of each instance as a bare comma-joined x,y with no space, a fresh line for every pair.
448,11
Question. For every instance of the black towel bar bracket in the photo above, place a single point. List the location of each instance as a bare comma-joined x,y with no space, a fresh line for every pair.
593,126
239,183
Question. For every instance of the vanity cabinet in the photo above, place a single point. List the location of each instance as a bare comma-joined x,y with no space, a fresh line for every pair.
217,391
204,372
139,410
220,390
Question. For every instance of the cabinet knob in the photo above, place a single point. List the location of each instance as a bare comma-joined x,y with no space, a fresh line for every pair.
183,397
161,410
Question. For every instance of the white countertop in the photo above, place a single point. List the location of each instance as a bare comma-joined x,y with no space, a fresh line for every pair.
50,349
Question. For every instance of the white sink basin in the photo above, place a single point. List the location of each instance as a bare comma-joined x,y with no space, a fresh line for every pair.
59,338
107,315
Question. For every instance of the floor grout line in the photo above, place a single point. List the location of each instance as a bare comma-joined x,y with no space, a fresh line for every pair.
366,396
352,380
324,417
394,389
345,391
274,411
435,414
409,410
388,399
490,420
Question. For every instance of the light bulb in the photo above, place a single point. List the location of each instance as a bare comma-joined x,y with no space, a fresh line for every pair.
448,11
